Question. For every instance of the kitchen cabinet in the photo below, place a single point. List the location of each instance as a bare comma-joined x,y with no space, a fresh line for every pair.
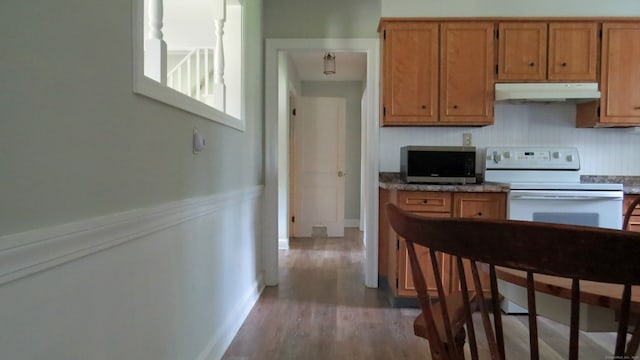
573,51
619,104
466,77
540,51
437,74
634,222
410,73
479,206
431,204
522,51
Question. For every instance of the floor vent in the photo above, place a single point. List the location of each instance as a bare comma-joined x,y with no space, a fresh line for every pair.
319,231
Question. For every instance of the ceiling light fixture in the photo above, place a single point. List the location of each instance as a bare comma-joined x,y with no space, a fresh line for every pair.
329,63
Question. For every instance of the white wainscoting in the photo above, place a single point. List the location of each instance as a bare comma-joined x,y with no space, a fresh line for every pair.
170,281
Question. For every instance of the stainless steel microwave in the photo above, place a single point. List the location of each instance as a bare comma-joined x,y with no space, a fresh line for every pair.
438,164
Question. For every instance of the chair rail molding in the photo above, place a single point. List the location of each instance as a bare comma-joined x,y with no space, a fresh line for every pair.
29,252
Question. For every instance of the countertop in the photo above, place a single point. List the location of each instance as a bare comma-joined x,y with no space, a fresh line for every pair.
392,181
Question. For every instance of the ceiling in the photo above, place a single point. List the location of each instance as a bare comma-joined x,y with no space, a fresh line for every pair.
350,66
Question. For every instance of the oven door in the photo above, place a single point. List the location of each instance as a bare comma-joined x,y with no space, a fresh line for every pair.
577,207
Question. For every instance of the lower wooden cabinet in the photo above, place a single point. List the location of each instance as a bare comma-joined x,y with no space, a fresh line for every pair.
634,223
396,267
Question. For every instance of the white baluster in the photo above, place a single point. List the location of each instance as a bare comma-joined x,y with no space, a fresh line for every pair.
206,72
198,74
219,88
155,56
189,75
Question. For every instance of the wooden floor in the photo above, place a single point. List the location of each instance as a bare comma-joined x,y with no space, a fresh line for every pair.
322,310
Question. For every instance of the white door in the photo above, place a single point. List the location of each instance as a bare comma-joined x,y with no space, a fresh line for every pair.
319,141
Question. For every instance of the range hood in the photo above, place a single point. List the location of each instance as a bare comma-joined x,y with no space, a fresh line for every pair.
547,92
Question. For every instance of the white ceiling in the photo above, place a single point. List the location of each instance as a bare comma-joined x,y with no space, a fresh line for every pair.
310,66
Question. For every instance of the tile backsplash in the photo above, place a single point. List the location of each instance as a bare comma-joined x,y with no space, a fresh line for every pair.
602,151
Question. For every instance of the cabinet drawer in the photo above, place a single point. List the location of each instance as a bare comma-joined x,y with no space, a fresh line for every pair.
422,201
480,205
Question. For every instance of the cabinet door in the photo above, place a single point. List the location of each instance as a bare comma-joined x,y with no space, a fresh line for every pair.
406,286
466,76
634,222
410,73
477,205
573,50
522,52
620,101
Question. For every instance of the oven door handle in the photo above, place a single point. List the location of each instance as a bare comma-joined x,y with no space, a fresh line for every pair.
600,196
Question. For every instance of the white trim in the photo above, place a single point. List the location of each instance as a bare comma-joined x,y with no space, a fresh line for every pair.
283,244
370,156
220,341
26,253
352,223
145,86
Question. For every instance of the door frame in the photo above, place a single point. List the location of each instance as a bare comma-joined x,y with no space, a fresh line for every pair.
369,158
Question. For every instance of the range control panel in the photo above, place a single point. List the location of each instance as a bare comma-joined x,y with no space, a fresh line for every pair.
532,158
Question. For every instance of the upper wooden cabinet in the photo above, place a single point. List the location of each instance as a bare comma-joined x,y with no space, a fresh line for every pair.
410,73
537,51
619,104
620,81
427,64
573,51
522,51
466,75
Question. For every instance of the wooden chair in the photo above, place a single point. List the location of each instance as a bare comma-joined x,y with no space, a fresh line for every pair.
578,253
627,215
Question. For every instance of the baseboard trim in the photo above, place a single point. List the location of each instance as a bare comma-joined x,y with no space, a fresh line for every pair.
352,223
283,243
223,337
26,253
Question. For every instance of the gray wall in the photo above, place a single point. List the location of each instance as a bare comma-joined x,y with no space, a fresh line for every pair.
77,143
321,19
352,91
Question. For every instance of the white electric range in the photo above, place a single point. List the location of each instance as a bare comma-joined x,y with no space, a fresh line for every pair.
545,186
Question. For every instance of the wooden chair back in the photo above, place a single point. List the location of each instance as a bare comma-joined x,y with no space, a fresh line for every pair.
575,252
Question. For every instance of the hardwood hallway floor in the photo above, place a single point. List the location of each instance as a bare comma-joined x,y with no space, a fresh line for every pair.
322,311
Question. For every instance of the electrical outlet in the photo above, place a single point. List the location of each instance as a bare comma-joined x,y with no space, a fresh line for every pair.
198,141
466,139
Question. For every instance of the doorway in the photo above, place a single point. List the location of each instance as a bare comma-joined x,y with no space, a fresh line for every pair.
276,132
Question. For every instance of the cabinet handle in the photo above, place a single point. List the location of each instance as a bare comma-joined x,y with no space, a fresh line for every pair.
425,201
564,64
479,213
455,106
532,64
636,108
424,106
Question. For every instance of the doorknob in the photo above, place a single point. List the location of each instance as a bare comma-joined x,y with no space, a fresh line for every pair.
341,174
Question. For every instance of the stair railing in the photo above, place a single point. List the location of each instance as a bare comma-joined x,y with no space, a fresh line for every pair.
191,75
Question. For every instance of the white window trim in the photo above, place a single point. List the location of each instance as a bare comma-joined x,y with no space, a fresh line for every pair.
145,86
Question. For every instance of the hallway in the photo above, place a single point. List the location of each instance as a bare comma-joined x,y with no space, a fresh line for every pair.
322,310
